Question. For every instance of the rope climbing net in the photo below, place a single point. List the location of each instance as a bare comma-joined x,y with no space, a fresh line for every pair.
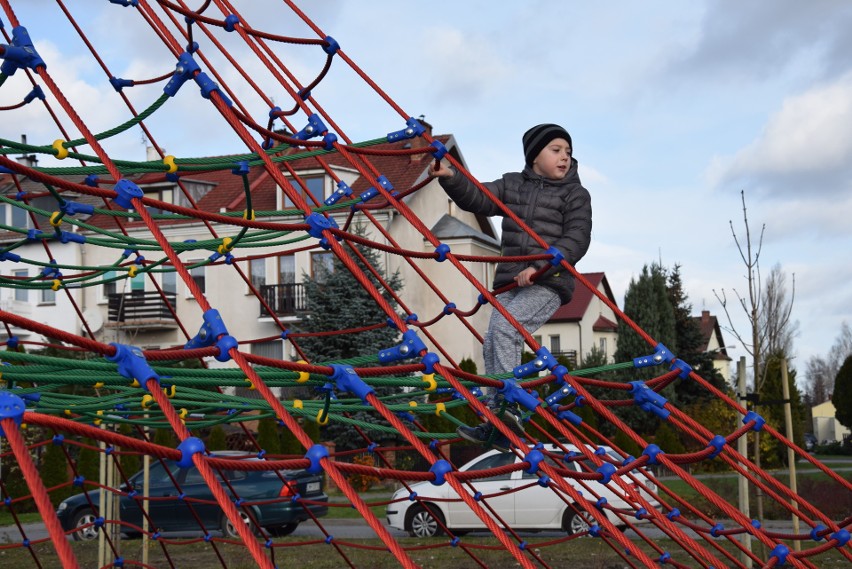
74,236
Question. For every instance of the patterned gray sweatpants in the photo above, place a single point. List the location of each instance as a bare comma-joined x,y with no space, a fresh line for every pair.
531,306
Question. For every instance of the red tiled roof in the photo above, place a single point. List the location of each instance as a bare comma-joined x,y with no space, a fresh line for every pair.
574,310
604,324
709,326
229,194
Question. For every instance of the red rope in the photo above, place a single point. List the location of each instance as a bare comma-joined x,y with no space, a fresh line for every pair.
39,493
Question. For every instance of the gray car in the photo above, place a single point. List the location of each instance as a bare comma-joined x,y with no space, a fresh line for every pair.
269,495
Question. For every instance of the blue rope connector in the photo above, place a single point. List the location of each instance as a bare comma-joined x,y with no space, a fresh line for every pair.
315,127
317,223
558,256
652,451
126,191
73,208
411,347
440,149
346,379
315,454
231,21
188,448
544,359
212,327
440,469
534,457
758,420
343,190
36,93
606,470
718,442
780,552
441,252
21,54
11,407
118,83
184,70
649,400
661,354
208,86
413,128
132,364
332,46
514,393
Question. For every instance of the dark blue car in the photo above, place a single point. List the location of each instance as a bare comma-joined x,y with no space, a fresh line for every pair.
263,492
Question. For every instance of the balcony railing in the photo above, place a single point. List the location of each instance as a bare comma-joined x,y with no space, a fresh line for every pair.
142,309
283,299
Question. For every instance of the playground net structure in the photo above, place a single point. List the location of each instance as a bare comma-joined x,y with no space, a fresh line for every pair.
112,392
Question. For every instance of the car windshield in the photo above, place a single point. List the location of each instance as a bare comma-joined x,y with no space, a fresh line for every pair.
495,461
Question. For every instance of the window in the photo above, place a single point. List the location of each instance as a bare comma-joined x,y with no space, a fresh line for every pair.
21,294
137,284
322,266
495,461
555,345
163,193
287,269
109,287
316,187
169,282
273,349
603,346
21,217
537,340
48,296
197,274
257,272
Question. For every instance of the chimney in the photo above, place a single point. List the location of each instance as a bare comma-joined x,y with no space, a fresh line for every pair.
705,316
151,154
28,160
419,141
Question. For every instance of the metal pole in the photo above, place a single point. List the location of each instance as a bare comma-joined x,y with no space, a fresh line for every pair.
742,449
791,455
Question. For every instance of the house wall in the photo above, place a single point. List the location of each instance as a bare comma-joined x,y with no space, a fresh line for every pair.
227,292
581,336
57,313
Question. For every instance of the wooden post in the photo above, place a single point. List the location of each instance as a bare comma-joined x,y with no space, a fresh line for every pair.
742,449
791,455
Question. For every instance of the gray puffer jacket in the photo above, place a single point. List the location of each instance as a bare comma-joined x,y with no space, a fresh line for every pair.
559,211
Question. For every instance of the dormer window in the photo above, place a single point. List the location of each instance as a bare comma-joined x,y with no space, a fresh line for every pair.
315,191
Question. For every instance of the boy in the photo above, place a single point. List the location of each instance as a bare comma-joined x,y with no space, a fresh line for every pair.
549,198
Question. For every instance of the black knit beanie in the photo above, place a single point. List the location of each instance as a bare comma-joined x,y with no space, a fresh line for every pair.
536,138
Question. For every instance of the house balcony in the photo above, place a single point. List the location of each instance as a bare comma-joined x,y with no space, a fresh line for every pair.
147,311
283,300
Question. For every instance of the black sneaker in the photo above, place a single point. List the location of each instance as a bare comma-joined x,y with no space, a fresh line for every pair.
511,417
482,434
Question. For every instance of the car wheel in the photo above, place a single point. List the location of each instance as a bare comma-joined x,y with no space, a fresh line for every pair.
281,531
574,522
82,518
425,523
230,531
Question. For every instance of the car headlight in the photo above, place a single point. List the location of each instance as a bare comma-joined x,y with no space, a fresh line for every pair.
62,506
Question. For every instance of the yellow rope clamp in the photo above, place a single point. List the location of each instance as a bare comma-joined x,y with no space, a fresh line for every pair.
183,413
429,380
320,419
225,247
303,375
57,284
131,272
55,220
169,391
99,384
135,383
100,413
170,162
412,403
248,215
251,385
440,408
61,151
147,400
297,404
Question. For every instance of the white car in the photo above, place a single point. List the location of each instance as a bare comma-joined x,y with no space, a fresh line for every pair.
532,508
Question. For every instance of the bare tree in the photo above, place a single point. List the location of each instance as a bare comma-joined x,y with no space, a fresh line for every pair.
822,370
768,312
776,329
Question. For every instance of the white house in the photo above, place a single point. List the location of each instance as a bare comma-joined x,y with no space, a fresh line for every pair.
584,323
826,426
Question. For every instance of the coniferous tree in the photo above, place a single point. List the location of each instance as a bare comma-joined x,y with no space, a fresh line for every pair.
216,440
647,303
267,436
771,393
842,396
53,472
337,301
690,345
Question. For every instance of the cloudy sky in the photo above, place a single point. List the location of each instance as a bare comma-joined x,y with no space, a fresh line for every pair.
675,108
